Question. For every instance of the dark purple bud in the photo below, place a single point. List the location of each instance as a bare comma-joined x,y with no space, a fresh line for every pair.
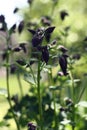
21,62
23,47
13,68
17,49
21,27
62,48
47,37
32,31
16,10
3,23
48,32
37,40
2,19
31,126
38,37
12,29
45,54
63,14
53,42
62,109
63,64
4,55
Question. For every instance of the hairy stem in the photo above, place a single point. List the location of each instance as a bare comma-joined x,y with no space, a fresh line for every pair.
39,97
8,91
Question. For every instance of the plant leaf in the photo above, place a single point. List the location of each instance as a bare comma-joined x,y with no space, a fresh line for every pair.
82,104
64,122
29,78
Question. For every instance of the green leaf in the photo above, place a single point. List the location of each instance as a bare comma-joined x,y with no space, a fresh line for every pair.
29,78
82,104
65,122
75,80
53,88
3,91
3,123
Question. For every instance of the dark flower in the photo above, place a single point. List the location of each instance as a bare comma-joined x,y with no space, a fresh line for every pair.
63,63
21,62
31,126
13,68
2,19
21,27
16,10
17,49
63,14
23,47
62,48
4,55
48,32
12,29
3,23
45,54
38,37
47,36
32,31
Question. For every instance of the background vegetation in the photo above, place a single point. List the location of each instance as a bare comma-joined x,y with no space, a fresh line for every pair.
63,98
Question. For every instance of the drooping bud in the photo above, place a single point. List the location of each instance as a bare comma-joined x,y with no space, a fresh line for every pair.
62,48
63,64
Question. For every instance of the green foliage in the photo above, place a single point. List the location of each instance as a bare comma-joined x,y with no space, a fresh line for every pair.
58,45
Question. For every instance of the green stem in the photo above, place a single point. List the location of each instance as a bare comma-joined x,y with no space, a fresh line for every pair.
8,92
73,97
55,114
73,87
39,97
54,103
20,85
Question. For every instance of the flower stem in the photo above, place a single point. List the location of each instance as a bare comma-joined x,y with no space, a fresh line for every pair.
39,97
73,97
54,103
8,92
20,84
55,114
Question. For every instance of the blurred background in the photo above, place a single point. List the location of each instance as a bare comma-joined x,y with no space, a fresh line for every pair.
70,21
